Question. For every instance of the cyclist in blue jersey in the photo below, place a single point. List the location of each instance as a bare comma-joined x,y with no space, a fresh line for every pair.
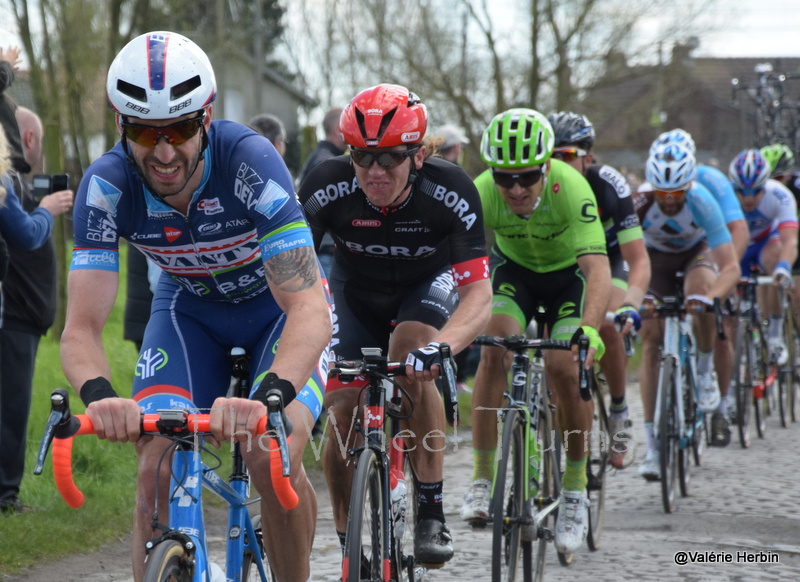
212,204
720,188
684,230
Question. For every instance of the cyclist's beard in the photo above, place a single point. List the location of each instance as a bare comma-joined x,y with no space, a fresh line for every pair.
160,191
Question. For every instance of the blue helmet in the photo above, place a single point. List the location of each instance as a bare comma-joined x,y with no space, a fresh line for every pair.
670,167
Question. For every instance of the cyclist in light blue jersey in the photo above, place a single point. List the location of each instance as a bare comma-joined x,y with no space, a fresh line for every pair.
720,188
684,230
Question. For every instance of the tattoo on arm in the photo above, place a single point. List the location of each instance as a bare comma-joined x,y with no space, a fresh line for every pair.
292,270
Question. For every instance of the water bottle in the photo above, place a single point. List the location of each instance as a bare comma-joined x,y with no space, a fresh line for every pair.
215,573
398,499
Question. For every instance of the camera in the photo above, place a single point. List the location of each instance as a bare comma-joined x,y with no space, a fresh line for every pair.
44,184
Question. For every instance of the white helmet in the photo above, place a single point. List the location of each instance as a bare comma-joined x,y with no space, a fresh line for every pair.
160,75
670,167
676,135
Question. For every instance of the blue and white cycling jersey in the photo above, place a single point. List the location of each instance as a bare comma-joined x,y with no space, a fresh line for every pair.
699,218
721,188
777,209
243,213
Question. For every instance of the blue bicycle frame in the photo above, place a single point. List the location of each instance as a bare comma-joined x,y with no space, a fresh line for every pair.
186,512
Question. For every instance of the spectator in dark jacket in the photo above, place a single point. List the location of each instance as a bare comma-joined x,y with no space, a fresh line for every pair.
28,304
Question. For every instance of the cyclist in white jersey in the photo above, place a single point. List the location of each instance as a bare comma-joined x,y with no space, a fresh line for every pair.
721,189
684,230
771,213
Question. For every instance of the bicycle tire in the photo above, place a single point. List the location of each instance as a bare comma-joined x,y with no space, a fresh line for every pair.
686,447
404,567
364,537
596,468
168,562
794,393
249,568
667,434
743,382
508,500
549,489
788,376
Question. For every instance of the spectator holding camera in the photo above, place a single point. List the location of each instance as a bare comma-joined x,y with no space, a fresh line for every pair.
28,302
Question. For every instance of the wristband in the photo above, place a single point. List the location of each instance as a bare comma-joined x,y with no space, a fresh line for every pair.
96,389
783,265
594,340
272,382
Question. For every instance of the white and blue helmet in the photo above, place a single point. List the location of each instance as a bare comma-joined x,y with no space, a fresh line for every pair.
679,136
160,75
671,167
749,172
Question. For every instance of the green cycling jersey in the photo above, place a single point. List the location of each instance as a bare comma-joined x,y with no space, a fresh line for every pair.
563,227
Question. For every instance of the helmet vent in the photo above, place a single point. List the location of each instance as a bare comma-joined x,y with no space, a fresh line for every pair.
387,119
132,91
181,89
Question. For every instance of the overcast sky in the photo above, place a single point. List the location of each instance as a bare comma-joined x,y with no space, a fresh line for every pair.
765,28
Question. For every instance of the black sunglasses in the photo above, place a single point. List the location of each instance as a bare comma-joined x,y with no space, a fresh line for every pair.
388,160
175,133
524,179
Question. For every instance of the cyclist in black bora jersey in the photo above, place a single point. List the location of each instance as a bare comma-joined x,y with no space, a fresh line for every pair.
409,272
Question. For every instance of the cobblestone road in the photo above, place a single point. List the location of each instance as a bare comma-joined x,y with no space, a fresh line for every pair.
743,504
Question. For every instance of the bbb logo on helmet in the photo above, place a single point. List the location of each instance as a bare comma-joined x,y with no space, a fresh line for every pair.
180,106
137,108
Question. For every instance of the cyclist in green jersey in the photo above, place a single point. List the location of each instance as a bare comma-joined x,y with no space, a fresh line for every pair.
550,251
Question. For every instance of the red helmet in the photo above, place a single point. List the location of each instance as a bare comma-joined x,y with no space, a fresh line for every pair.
382,117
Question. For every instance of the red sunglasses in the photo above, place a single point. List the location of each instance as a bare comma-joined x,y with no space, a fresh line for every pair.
175,133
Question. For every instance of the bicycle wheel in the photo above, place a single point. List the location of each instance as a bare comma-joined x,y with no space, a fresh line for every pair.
743,382
549,489
404,568
250,561
687,446
668,433
365,535
596,465
168,562
508,500
787,380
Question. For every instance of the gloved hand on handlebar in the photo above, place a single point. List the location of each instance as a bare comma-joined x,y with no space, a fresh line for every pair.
594,340
625,313
423,358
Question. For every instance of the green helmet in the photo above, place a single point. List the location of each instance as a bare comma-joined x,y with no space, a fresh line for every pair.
517,138
780,158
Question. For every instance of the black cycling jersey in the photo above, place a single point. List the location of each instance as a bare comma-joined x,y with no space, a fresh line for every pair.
439,225
614,205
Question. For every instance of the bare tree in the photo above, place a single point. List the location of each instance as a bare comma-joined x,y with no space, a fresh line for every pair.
469,59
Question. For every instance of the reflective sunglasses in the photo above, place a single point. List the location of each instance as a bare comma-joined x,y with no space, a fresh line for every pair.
569,154
670,193
524,179
387,160
748,191
175,133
